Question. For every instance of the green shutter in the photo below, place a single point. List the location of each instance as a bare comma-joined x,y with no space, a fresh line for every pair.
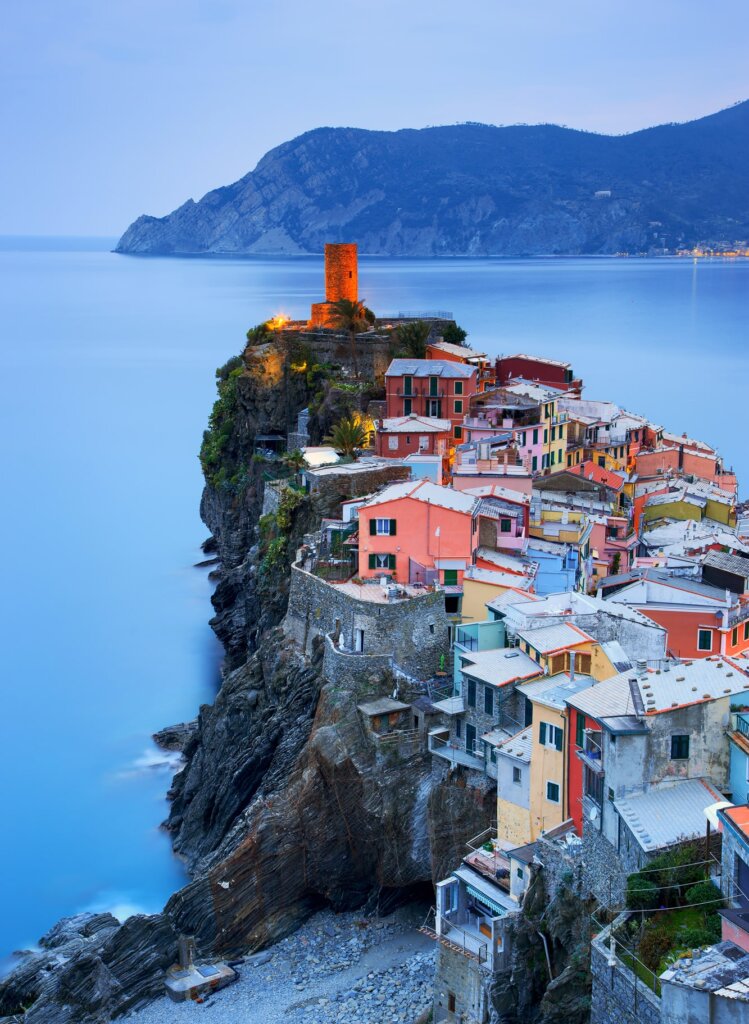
372,527
542,733
391,561
392,527
373,561
558,737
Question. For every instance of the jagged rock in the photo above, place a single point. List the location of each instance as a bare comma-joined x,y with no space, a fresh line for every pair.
176,737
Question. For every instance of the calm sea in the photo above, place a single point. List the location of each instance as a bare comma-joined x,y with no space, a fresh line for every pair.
107,380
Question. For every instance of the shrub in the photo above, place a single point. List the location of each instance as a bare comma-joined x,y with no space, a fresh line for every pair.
654,945
642,894
674,871
454,334
692,938
704,892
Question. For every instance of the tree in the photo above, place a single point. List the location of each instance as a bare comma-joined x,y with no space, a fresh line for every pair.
348,434
294,460
454,335
412,338
353,317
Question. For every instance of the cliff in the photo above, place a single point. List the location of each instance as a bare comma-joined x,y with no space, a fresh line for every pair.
285,803
475,189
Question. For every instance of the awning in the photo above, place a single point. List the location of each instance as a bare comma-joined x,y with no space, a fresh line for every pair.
498,911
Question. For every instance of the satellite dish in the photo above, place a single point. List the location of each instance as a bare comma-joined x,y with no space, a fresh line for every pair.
593,814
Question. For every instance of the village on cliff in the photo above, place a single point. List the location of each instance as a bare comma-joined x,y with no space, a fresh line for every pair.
558,591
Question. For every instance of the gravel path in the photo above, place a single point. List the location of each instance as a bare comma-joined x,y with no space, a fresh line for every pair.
337,968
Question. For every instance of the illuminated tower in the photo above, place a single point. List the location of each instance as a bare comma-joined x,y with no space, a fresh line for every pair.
341,281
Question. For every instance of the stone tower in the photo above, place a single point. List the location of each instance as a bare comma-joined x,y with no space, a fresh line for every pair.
341,281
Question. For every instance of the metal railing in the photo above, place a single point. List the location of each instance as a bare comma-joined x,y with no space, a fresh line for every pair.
468,942
740,723
418,314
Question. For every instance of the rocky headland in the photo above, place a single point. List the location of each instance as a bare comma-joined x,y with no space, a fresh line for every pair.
284,806
476,190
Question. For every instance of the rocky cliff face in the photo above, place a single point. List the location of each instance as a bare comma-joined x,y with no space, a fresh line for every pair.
475,190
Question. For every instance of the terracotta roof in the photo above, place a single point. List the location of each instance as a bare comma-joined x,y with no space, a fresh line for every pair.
592,471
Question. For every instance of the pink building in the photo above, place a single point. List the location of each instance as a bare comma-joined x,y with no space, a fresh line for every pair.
413,435
417,531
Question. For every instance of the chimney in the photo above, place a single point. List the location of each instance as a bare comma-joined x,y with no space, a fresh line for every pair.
573,655
642,667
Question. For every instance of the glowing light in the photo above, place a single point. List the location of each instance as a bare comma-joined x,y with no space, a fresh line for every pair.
277,322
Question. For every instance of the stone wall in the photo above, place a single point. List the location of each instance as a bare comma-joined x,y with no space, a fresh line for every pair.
412,632
619,996
466,981
272,492
347,668
562,864
603,873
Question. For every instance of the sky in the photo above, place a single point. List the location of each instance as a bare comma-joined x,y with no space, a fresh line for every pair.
113,108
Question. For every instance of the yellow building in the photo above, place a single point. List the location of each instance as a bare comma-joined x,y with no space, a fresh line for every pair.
549,736
483,585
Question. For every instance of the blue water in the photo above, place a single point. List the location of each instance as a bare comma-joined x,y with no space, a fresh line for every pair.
106,383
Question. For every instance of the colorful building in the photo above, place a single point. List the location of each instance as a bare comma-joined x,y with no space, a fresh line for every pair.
417,531
432,388
549,372
401,436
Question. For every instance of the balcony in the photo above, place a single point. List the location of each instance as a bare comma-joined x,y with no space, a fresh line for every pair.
592,751
457,754
740,724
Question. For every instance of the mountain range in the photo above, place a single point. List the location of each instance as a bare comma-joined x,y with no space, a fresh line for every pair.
475,189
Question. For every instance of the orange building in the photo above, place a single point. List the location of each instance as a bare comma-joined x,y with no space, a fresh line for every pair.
341,281
417,531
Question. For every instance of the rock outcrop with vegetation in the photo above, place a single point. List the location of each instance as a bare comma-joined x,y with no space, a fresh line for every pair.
475,189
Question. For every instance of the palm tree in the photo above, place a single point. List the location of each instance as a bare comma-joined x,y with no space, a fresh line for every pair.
413,338
293,460
348,434
352,316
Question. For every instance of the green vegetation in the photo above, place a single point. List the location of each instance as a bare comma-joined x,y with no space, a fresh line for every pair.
275,528
348,435
353,317
678,911
259,334
412,339
216,459
454,335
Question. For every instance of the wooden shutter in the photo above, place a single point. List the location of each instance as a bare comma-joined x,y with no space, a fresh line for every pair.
391,561
392,527
372,527
558,737
373,561
542,732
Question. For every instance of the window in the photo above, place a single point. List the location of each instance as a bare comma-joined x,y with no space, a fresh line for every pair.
521,439
434,385
611,795
382,527
746,630
450,577
552,792
381,561
458,433
505,525
471,693
553,457
679,748
519,872
535,436
550,735
458,726
735,635
408,385
488,700
517,775
458,388
704,639
458,405
580,729
602,460
407,406
544,462
546,436
534,464
553,433
392,444
408,439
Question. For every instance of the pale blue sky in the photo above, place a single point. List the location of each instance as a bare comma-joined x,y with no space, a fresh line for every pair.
112,108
